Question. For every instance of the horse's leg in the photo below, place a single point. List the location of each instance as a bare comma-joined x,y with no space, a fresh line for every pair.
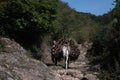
66,61
55,61
52,58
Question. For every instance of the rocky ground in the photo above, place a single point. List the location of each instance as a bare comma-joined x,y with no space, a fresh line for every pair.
76,72
16,65
78,69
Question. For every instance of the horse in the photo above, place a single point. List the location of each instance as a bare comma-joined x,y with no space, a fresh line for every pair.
66,52
59,51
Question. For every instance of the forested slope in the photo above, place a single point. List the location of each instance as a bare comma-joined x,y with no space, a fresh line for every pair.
106,47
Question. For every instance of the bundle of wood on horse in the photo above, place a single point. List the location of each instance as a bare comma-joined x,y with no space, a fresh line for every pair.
64,49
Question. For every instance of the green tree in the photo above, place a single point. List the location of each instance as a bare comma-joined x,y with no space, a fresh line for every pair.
27,21
106,48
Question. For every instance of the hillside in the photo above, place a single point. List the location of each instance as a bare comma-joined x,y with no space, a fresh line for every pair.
78,25
16,65
34,24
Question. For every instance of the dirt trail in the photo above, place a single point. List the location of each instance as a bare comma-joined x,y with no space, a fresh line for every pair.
77,70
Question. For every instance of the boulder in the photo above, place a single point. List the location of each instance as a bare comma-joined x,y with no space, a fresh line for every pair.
16,65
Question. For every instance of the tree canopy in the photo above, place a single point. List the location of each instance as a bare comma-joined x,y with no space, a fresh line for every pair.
27,20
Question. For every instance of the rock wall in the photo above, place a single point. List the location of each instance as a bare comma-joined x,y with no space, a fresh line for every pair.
15,65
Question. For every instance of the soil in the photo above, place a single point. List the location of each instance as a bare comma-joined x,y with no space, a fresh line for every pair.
78,70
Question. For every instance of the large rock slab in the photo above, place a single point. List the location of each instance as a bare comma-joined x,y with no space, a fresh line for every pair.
16,65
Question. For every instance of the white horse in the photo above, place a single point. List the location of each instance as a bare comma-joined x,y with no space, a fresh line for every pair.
60,51
66,52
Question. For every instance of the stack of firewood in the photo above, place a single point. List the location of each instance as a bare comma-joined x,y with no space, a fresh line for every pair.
74,50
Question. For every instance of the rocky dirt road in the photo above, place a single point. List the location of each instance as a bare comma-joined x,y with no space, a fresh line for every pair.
77,70
16,65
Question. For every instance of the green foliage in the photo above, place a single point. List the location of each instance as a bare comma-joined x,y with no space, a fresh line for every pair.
72,24
106,48
27,21
96,53
105,75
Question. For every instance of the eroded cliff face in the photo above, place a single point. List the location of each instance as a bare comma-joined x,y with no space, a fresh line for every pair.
15,65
